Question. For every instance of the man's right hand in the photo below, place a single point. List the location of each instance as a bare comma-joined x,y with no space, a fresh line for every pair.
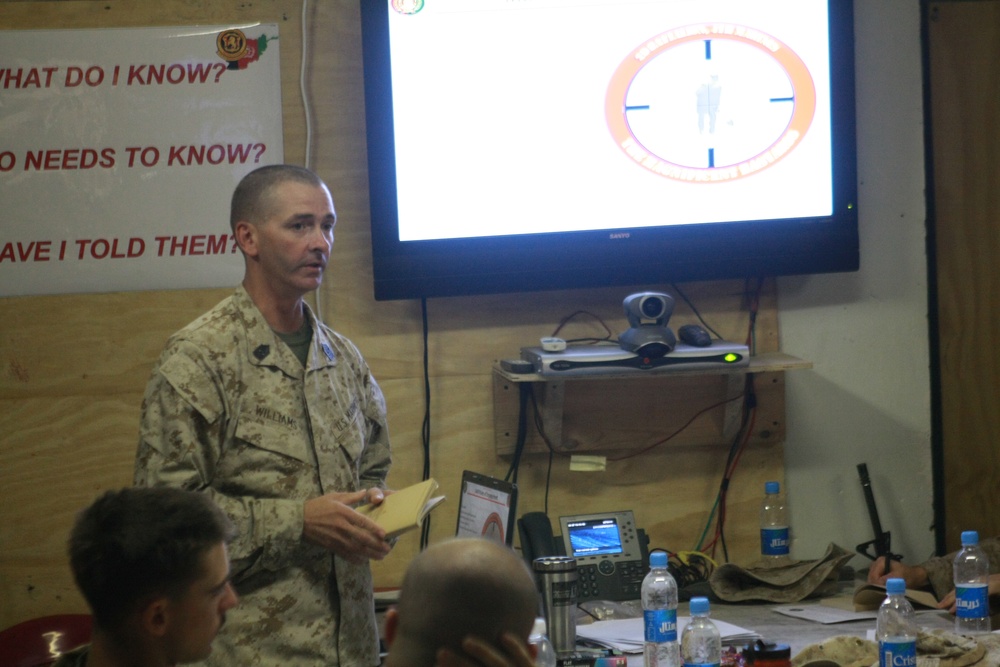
512,652
914,575
992,589
331,522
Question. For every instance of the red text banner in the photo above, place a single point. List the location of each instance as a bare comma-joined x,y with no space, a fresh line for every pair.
120,149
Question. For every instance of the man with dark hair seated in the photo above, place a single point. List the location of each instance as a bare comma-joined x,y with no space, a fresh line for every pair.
153,566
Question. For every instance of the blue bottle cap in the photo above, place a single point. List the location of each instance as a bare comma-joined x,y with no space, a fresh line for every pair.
658,559
895,586
771,487
699,605
970,537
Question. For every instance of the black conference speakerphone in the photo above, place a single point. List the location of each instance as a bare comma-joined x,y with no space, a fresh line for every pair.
610,552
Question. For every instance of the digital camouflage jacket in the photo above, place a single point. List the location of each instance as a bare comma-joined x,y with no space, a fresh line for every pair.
229,410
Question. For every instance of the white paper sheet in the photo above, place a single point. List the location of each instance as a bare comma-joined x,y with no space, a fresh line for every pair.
627,634
821,613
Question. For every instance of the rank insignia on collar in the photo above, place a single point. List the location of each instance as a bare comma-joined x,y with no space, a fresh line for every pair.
261,352
327,351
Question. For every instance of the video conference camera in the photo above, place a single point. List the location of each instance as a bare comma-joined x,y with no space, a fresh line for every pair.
648,314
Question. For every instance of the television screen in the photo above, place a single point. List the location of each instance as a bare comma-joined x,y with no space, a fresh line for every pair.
519,145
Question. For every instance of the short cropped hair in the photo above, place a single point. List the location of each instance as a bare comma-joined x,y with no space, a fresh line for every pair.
133,545
462,586
252,196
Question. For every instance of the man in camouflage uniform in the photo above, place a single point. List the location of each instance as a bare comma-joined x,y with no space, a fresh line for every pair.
278,419
937,573
153,567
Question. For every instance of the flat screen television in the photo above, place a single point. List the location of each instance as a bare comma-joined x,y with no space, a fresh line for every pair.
520,145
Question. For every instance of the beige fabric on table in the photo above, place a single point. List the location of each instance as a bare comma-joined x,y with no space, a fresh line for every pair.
789,583
938,648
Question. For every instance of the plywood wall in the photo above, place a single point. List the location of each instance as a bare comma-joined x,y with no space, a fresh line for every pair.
965,93
73,368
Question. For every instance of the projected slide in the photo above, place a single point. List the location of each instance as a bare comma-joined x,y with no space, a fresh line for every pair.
549,116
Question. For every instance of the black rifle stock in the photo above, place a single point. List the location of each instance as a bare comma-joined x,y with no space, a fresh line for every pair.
883,541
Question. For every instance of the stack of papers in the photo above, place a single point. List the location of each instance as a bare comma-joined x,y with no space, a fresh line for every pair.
626,635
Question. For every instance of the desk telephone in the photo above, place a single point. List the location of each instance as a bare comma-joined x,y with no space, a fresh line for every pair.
611,553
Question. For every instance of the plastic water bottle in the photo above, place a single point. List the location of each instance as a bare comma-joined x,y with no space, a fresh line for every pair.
546,653
659,613
972,571
895,631
701,643
773,524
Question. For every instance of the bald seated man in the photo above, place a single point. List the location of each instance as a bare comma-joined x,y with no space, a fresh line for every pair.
463,597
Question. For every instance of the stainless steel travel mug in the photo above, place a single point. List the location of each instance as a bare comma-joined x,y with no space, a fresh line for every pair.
556,577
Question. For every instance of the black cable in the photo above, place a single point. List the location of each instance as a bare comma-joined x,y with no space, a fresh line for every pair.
522,431
694,310
548,480
565,321
692,568
426,428
749,405
753,307
739,440
548,443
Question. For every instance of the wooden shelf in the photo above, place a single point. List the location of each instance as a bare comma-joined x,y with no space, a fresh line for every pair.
646,400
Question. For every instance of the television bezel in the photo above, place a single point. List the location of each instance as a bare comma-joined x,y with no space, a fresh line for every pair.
618,257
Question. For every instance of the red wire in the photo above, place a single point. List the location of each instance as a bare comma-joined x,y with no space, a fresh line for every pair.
675,433
753,307
730,470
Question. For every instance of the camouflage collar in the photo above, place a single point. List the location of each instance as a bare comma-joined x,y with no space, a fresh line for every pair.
267,349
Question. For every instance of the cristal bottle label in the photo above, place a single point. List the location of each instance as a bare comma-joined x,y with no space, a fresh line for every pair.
971,601
900,652
660,625
701,664
774,541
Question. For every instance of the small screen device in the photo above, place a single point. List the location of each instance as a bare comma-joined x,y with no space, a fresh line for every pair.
594,537
611,554
486,507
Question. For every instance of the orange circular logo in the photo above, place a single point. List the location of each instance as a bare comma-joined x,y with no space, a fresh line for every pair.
231,44
772,145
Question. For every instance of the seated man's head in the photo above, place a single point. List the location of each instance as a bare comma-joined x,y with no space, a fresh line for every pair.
153,566
457,588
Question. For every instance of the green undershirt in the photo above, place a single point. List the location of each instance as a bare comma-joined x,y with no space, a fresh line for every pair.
299,341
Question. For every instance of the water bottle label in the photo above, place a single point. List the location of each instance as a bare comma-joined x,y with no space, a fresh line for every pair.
660,625
897,653
701,664
971,601
774,541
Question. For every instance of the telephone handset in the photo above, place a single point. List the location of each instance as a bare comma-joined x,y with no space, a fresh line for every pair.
611,553
537,540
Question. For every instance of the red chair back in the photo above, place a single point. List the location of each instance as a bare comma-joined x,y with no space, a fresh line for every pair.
40,641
